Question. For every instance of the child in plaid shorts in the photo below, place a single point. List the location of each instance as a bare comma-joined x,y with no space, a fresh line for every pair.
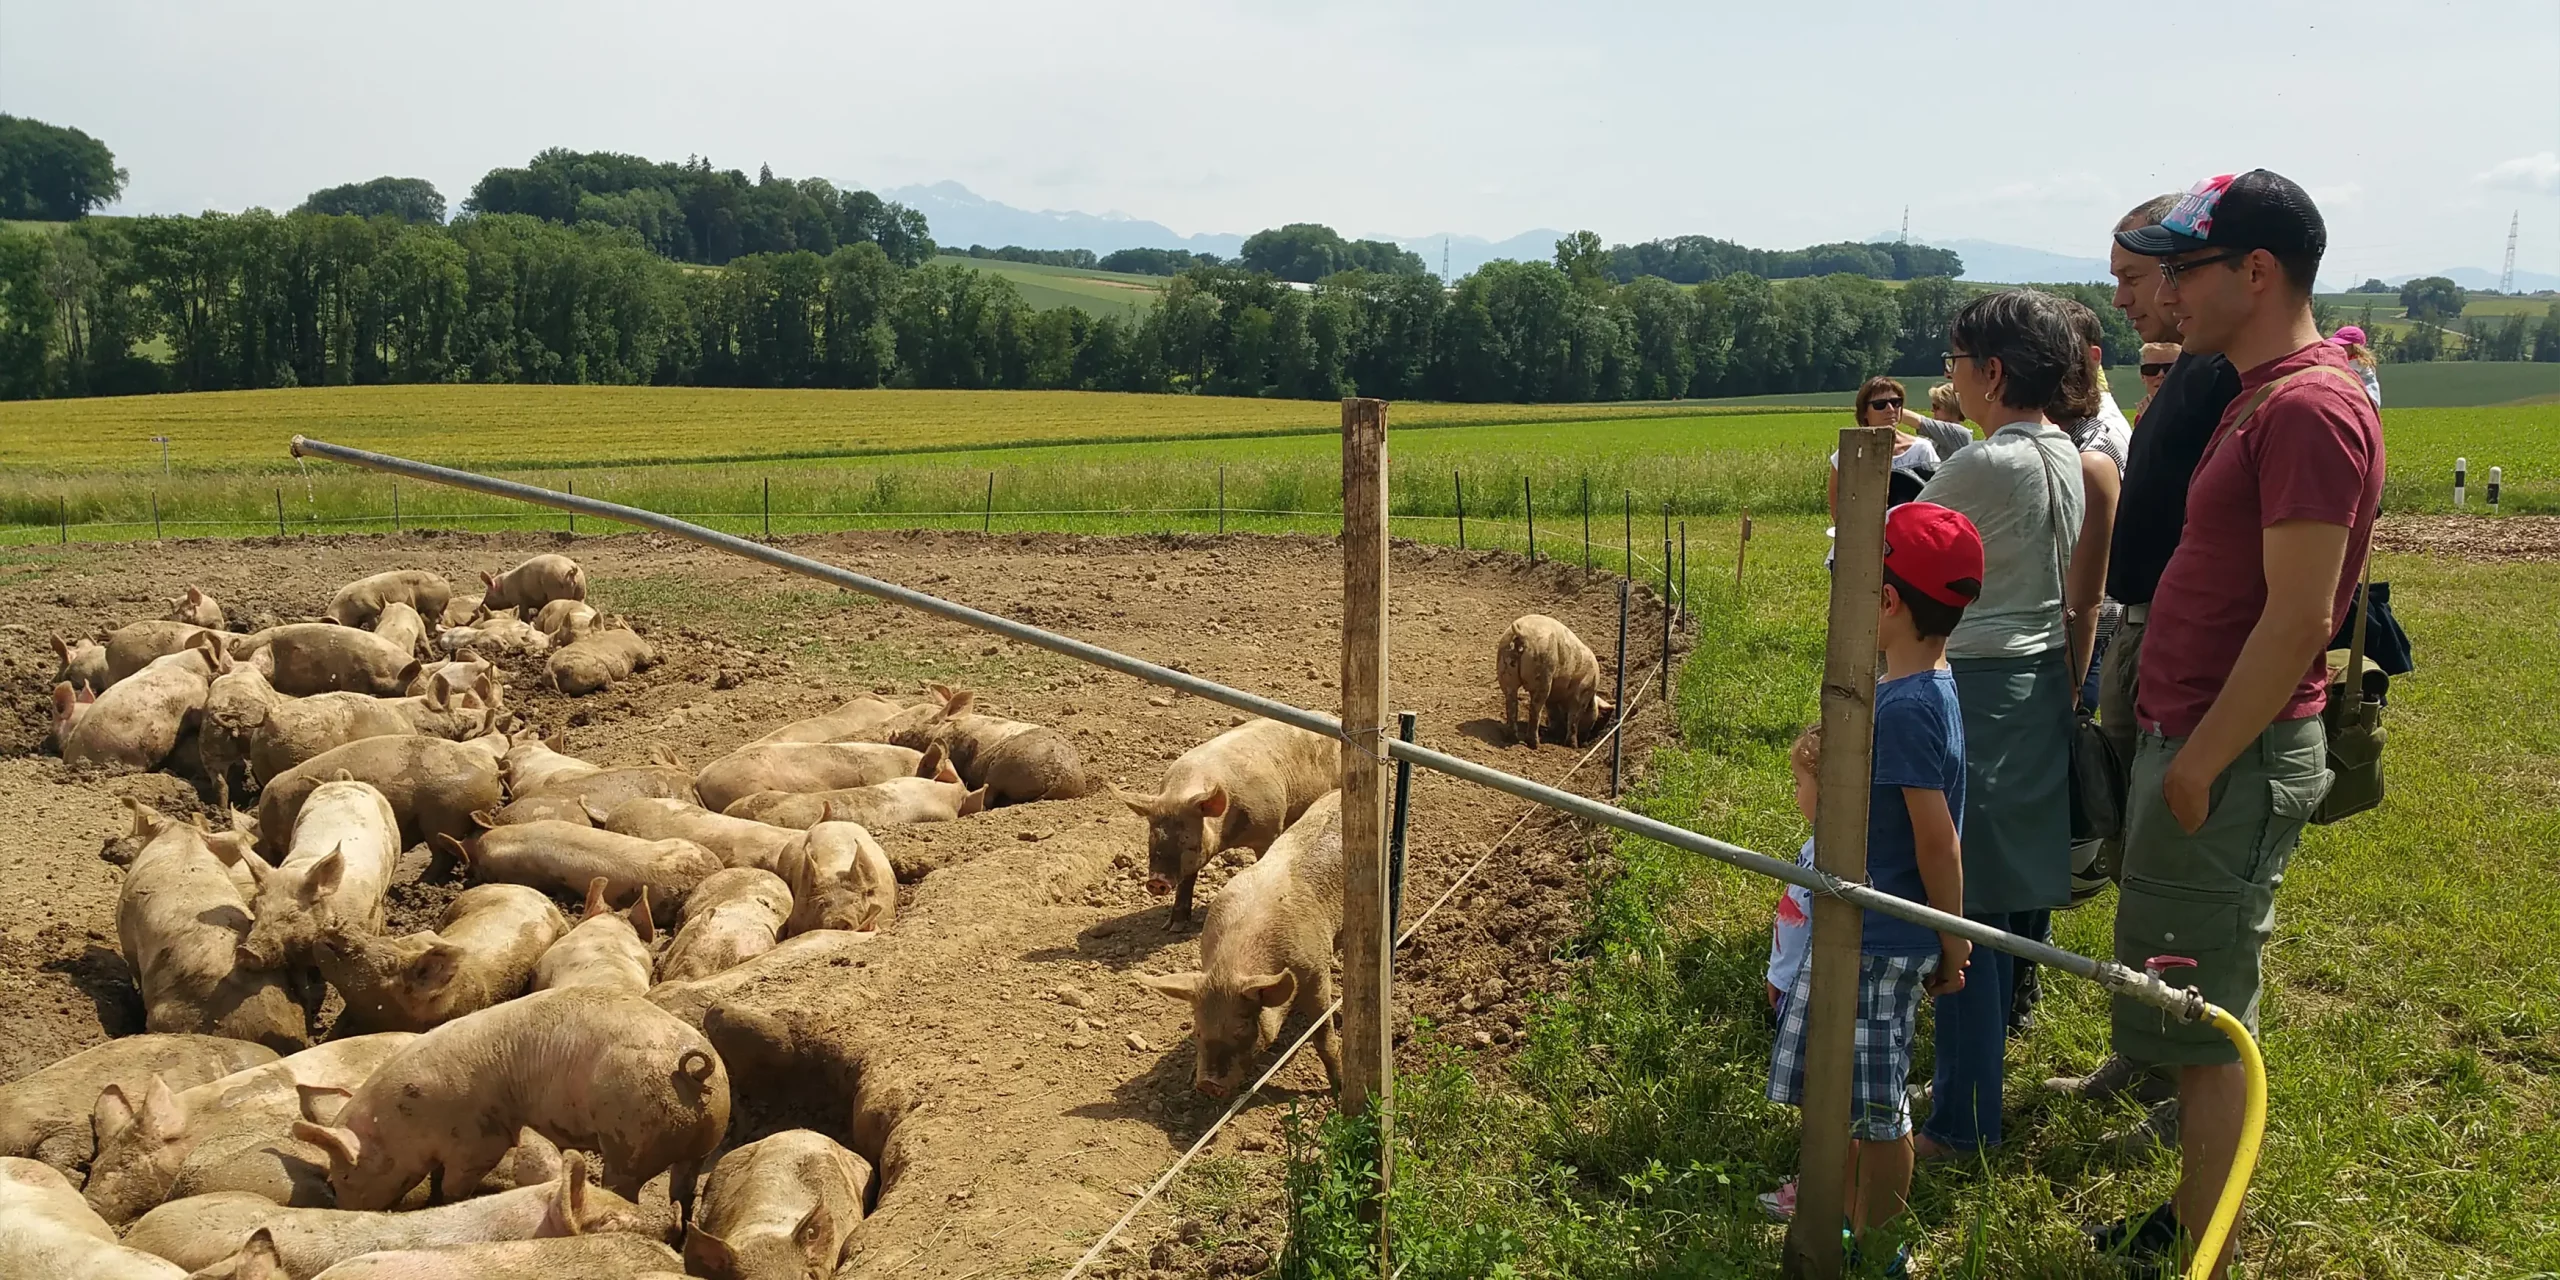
1933,568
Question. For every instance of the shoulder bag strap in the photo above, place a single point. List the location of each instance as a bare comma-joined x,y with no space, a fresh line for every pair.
2355,645
2259,401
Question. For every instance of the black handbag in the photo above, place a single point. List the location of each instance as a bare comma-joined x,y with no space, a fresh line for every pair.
2353,720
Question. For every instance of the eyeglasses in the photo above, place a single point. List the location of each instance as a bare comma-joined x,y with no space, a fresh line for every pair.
2170,271
1952,356
1888,402
2154,370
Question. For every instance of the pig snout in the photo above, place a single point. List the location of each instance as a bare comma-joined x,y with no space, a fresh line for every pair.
1159,884
1211,1088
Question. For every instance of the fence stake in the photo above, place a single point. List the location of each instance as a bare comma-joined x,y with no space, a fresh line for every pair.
1742,550
1461,487
1586,522
1222,497
1395,834
395,506
279,511
768,508
1840,848
1368,947
1684,569
988,523
1666,617
1529,503
1630,512
155,515
62,515
573,515
1618,735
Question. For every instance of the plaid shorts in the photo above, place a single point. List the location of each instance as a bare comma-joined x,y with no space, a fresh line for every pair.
1889,990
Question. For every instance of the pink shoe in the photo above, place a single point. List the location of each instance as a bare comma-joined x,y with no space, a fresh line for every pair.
1780,1204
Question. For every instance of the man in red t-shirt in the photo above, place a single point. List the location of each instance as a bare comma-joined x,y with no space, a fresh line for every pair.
2231,760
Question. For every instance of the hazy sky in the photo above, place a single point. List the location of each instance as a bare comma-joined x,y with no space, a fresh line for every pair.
2420,126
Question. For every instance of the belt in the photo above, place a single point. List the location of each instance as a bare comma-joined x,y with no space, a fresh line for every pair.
2137,614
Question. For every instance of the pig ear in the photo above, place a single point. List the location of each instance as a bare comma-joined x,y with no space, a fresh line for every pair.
558,742
568,1207
1143,808
163,1117
61,649
489,690
974,802
258,870
943,772
812,1235
1181,988
489,581
257,1258
342,1146
64,699
1271,989
454,849
344,775
596,905
535,1160
321,1103
195,595
435,696
640,922
112,1114
436,966
659,754
931,764
1213,803
709,1253
325,875
485,819
595,813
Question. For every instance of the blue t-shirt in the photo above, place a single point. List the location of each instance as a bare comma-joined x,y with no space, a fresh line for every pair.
1919,743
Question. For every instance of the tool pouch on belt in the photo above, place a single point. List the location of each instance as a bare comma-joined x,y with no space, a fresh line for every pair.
2353,720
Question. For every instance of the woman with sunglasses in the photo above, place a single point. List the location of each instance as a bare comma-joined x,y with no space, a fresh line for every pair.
1879,404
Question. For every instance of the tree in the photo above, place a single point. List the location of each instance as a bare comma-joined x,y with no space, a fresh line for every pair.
408,199
1584,262
2372,284
695,213
1305,252
1156,262
2432,298
52,174
2546,336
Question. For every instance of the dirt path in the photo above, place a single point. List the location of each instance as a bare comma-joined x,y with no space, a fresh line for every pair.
1046,1086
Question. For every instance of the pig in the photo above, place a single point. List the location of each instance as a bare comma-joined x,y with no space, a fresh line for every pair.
135,724
456,677
303,658
584,1068
133,647
1268,944
147,1143
739,842
47,1231
84,663
609,1255
179,923
598,659
69,704
434,786
460,610
856,721
1015,762
499,634
46,1116
296,729
801,766
1238,790
565,856
897,802
732,917
481,952
401,625
693,999
848,1080
606,949
564,620
535,583
197,609
567,801
202,1231
345,845
840,878
360,602
1544,658
535,762
780,1208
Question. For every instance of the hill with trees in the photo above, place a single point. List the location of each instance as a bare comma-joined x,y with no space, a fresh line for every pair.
692,212
408,199
52,174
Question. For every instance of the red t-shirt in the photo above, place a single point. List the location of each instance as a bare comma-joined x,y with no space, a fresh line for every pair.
2313,451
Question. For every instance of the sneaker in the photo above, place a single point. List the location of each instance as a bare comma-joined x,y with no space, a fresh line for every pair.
1897,1267
1780,1204
2149,1242
2157,1128
2118,1074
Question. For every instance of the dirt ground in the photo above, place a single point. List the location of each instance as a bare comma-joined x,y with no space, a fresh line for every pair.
1044,1088
2473,537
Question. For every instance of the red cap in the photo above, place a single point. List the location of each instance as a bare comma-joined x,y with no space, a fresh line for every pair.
1936,550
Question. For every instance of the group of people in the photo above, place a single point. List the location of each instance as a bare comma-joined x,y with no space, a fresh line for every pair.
2181,574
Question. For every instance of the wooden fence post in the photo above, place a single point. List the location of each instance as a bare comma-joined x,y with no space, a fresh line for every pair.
1529,504
1742,550
1684,569
1367,948
573,516
279,511
987,524
1618,732
155,515
1459,486
1840,849
395,506
62,515
1666,613
1586,522
1222,497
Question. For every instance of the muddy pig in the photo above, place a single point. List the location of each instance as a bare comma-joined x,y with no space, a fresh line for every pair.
860,720
481,952
1015,762
1238,790
69,704
732,917
402,626
1545,659
46,1232
584,1068
346,842
131,648
598,659
459,611
502,635
564,620
563,857
569,800
134,726
179,923
897,802
801,767
84,663
272,733
738,841
433,785
360,602
780,1208
535,762
304,658
46,1116
607,950
840,878
611,1255
535,583
197,609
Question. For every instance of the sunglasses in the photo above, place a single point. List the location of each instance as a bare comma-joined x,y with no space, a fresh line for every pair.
2170,271
1889,402
2154,370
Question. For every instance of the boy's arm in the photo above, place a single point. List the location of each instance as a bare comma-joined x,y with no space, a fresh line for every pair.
1941,859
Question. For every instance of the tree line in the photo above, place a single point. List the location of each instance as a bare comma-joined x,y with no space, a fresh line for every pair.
692,212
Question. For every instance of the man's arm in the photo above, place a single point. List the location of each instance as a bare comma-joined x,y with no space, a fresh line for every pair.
1941,858
1945,437
2088,573
2302,560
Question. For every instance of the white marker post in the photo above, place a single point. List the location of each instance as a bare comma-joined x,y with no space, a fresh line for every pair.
2495,475
2461,469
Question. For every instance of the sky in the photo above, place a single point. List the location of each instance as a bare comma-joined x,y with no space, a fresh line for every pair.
2420,127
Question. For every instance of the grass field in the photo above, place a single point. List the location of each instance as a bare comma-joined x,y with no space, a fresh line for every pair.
1044,287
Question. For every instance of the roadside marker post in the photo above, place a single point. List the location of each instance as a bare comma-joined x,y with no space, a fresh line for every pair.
2496,475
2461,472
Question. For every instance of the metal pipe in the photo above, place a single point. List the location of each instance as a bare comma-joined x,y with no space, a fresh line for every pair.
2182,1002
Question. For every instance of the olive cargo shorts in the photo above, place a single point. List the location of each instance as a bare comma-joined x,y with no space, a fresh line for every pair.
2210,896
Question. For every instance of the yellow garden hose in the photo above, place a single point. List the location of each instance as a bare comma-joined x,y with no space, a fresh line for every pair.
2244,1158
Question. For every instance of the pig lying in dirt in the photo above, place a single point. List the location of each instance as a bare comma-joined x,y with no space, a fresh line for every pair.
304,658
586,1069
346,842
203,1231
691,1000
482,951
1238,790
569,800
459,611
434,786
738,841
402,626
131,648
1545,659
1268,945
897,802
605,949
779,1208
563,857
164,1143
47,1232
179,924
84,663
1015,762
275,733
598,659
611,1255
535,583
840,878
732,917
134,726
861,720
197,609
535,762
358,603
801,767
565,620
456,677
46,1116
501,634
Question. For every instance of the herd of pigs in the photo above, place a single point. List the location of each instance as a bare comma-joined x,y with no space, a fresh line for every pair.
494,1093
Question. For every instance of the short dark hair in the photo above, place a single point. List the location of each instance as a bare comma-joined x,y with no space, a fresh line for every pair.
2028,334
1931,618
2079,399
1867,389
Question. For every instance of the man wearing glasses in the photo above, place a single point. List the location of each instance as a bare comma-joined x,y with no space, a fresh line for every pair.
2231,759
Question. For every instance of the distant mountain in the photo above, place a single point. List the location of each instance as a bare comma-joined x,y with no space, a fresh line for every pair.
2475,278
1998,263
1466,253
961,217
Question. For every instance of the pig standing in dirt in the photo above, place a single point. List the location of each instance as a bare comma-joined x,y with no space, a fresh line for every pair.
84,663
179,923
606,950
565,857
732,917
897,802
401,625
304,658
137,723
197,609
778,1209
131,648
46,1116
840,878
218,1136
586,1069
46,1232
1238,790
360,602
535,583
861,720
568,800
346,842
1268,945
434,786
598,659
801,767
1545,659
481,952
1016,763
738,841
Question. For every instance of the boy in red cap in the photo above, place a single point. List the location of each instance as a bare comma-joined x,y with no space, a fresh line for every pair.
1932,570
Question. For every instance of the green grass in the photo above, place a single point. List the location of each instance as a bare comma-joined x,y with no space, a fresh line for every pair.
1113,293
2413,1031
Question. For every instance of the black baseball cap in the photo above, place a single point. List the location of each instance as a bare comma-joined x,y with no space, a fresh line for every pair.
2253,210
